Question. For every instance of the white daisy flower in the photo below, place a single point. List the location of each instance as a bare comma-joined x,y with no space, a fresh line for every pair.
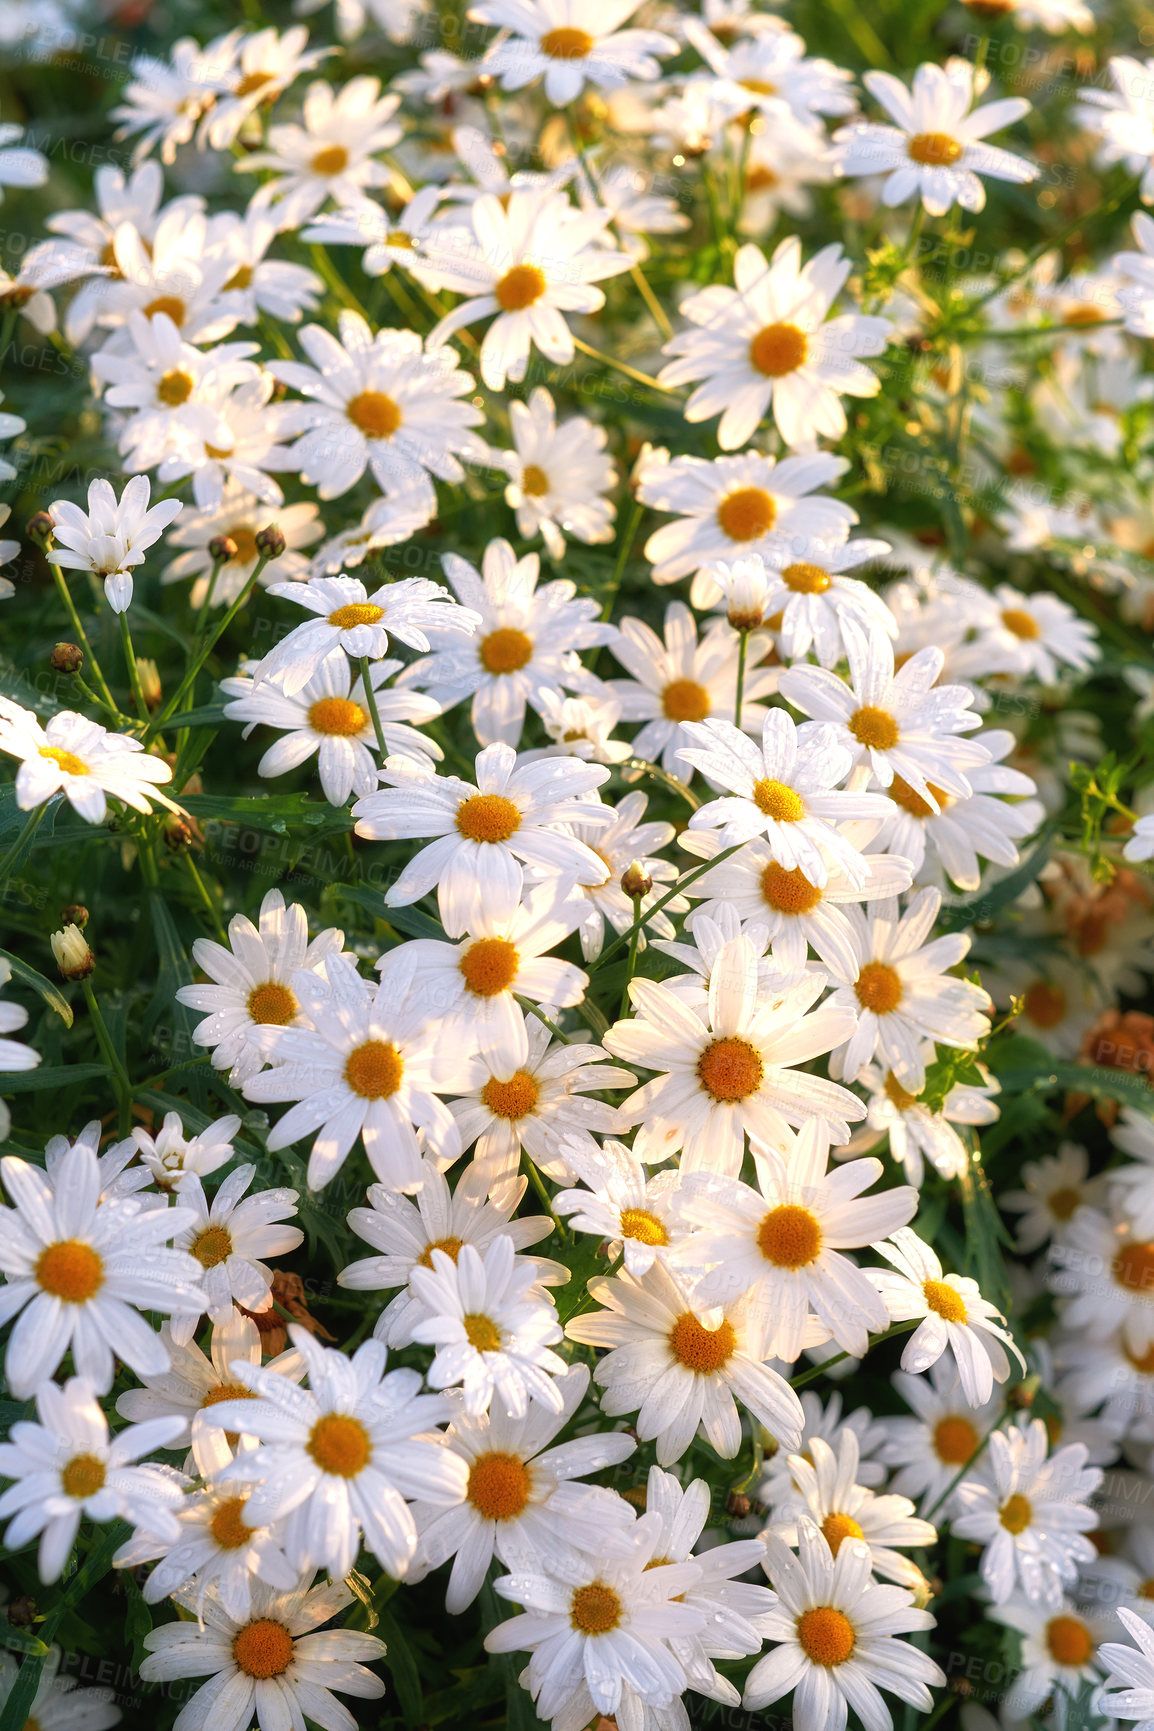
251,987
22,166
82,760
729,1071
65,1468
1129,1687
581,726
362,1065
808,588
682,679
256,284
524,1499
491,1335
1030,1509
1052,1191
1060,1654
835,1631
525,644
915,1133
779,1244
569,46
341,1459
267,62
530,264
903,994
1132,1186
777,1490
272,1664
636,1212
610,1623
15,1055
1141,843
789,790
842,1509
737,507
1123,118
680,1370
240,516
1106,1378
937,149
770,343
387,240
1103,1274
333,155
111,536
1043,634
228,1237
329,718
929,1450
379,402
767,71
541,1105
59,1704
349,618
78,1273
952,1317
558,475
486,833
405,1234
1136,299
218,1551
165,100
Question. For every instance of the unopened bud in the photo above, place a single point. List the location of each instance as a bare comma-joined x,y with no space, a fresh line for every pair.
39,528
75,914
923,1591
73,956
270,541
737,1506
149,675
67,658
222,548
1024,1393
635,880
178,833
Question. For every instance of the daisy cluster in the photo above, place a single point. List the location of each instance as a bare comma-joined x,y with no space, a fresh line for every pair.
651,1209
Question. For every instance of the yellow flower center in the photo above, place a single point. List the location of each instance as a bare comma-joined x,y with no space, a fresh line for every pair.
945,1300
704,1351
566,43
934,149
498,1486
519,288
1045,1004
451,1246
758,86
955,1440
897,1095
65,760
1016,1514
1021,623
212,1246
82,1477
374,413
70,1270
355,613
790,1236
806,579
595,1609
481,1332
778,349
226,1526
788,892
685,700
747,515
513,1099
272,1005
340,1445
730,1069
263,1649
374,1070
1062,1203
175,388
225,1391
1134,1267
333,159
252,82
839,1527
904,795
879,988
643,1227
506,650
1069,1641
489,966
826,1635
487,817
777,801
171,305
873,727
534,481
339,716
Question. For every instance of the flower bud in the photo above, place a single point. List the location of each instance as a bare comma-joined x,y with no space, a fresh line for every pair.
179,832
635,880
222,548
149,675
39,528
73,956
270,541
67,658
75,914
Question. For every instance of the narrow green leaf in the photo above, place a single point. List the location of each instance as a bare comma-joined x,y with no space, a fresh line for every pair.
402,1667
59,1076
51,994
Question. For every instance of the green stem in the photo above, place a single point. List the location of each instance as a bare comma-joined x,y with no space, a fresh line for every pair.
133,669
121,1085
121,719
532,1009
620,367
210,906
371,706
685,878
538,1184
205,649
959,1475
19,846
81,635
740,692
631,963
808,1376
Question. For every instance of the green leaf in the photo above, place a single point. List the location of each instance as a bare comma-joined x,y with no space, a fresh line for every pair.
402,1667
51,994
955,916
62,1077
21,1640
273,813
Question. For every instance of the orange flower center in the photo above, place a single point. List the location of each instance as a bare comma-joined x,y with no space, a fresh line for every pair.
534,481
955,1440
642,1227
212,1246
487,817
788,892
1016,1514
758,86
685,700
246,548
904,795
340,1445
747,515
944,1300
730,1069
489,966
778,349
897,1095
790,1236
1062,1203
1045,1004
272,1005
1134,1267
506,650
1021,623
513,1099
777,801
1143,1362
566,43
1069,1641
481,1332
826,1635
451,1246
70,1270
252,82
172,305
879,988
874,727
701,1350
520,287
806,579
333,159
374,1070
498,1486
356,613
82,1477
374,413
226,1526
595,1609
337,715
263,1649
175,388
66,760
839,1527
934,149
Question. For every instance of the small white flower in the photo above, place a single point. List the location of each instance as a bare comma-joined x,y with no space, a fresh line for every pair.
931,1449
228,1238
830,1497
1053,1189
110,538
333,155
82,760
540,38
638,1213
559,475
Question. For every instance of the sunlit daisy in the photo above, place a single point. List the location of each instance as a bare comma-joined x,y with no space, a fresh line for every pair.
930,1449
569,45
228,1237
636,1212
842,1509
